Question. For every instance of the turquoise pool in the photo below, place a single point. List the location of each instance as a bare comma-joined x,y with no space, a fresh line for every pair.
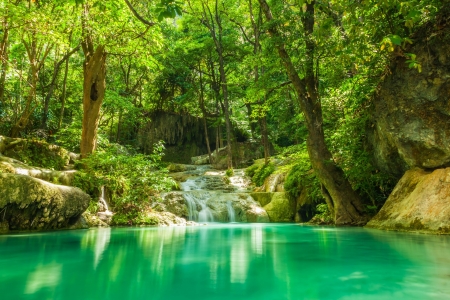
225,261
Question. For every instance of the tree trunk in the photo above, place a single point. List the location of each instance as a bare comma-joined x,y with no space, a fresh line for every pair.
63,96
265,138
203,108
217,38
4,59
94,85
345,203
36,56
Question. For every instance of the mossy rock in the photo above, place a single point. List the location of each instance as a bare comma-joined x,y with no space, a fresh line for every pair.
33,204
280,209
262,198
35,152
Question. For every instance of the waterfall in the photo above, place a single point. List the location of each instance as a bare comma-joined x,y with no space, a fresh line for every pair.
195,199
102,200
205,215
231,214
208,195
104,213
191,205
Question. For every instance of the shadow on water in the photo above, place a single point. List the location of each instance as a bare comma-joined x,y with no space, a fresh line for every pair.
251,261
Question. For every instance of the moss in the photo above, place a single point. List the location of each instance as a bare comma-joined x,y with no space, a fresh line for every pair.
280,209
262,198
259,173
416,224
38,153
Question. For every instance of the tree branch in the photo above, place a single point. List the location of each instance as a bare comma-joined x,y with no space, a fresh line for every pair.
135,13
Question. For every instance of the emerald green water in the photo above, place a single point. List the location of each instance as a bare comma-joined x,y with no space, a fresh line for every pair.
233,261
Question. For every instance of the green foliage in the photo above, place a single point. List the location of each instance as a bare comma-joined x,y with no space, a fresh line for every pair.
69,137
229,173
323,215
40,154
347,142
134,181
259,173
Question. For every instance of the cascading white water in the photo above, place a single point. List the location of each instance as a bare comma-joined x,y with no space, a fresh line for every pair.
192,206
205,215
104,214
231,213
102,200
211,196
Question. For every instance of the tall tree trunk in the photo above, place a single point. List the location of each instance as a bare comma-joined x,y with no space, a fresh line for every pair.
346,204
64,94
36,57
203,108
4,59
265,138
94,86
217,38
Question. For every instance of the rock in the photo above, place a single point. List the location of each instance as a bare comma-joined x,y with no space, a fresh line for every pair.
280,208
175,168
273,183
105,216
174,203
200,160
33,204
34,152
80,224
4,227
74,157
13,166
183,134
256,214
410,126
161,219
262,198
93,220
419,202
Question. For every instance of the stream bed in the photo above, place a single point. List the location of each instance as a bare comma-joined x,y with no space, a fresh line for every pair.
225,261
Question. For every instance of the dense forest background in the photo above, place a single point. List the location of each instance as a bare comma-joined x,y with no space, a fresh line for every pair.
294,77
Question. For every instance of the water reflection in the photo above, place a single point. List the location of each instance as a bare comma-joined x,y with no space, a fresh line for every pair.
225,261
44,276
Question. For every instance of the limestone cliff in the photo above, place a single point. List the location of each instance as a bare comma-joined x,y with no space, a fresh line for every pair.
411,122
183,135
411,112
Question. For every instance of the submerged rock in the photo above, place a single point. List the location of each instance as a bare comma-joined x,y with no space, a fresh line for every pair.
419,202
29,203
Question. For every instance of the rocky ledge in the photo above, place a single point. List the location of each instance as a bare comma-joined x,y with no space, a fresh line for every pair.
28,203
420,202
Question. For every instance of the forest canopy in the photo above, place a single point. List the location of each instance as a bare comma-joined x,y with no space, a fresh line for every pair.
85,73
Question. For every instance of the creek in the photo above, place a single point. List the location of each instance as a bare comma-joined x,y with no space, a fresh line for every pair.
225,261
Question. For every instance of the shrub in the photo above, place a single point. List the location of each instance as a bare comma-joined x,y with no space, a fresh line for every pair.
135,181
259,173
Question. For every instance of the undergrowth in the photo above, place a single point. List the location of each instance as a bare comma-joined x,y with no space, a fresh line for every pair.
134,181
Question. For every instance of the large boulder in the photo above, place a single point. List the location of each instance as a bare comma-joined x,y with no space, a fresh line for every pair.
410,126
28,203
11,165
280,208
420,202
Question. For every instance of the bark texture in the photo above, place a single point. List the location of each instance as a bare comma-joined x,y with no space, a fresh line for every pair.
342,199
94,86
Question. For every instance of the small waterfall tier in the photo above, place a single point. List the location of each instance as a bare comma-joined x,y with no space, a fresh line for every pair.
207,195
